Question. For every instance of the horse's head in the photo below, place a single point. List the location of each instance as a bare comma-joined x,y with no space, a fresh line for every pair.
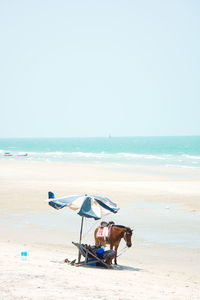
127,236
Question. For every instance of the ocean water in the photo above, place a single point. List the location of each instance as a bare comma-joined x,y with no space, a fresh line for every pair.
180,151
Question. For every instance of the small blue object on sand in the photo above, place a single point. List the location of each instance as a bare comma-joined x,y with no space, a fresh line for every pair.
24,255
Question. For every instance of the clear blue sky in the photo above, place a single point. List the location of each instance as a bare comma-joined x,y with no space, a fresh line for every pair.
90,68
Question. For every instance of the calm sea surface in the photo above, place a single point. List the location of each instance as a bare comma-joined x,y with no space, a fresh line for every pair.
164,151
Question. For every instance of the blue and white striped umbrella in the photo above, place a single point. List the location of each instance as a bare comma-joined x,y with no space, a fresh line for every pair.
89,206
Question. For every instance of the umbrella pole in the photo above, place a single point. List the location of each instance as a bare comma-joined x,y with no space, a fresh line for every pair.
79,254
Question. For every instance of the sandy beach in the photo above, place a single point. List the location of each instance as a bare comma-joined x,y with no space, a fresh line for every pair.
161,204
100,99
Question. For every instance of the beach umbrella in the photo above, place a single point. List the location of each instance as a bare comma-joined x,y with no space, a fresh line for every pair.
88,206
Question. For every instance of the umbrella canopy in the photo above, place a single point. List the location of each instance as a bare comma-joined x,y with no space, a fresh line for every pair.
89,206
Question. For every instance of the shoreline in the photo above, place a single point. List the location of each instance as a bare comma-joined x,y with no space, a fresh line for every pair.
130,183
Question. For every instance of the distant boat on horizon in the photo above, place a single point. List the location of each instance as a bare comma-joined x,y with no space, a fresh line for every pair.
22,154
19,154
7,154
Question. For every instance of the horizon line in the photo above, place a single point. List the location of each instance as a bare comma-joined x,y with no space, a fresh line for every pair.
104,136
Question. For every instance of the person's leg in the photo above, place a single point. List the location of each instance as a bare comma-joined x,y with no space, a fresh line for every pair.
109,255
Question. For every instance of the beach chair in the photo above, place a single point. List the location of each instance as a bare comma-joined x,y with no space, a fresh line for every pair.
90,257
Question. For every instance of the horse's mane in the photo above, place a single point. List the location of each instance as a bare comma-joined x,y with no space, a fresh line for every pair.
122,226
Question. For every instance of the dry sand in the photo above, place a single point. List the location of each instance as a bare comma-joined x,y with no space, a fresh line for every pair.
152,269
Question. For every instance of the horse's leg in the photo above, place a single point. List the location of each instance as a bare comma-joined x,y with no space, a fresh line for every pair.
116,247
111,248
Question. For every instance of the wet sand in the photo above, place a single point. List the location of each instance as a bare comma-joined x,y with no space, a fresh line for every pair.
161,204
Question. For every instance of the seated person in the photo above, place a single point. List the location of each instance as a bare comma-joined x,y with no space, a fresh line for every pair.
107,255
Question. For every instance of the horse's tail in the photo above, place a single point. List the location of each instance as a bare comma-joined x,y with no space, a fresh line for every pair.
95,233
96,239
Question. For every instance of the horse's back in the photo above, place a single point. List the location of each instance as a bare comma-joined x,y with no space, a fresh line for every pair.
112,238
100,240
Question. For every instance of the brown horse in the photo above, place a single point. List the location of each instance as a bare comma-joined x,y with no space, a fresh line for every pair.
117,233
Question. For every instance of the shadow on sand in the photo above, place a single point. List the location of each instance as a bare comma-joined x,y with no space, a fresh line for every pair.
127,268
114,267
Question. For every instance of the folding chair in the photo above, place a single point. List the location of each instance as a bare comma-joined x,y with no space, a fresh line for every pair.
90,257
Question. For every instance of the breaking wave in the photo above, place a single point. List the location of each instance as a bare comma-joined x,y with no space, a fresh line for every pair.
168,160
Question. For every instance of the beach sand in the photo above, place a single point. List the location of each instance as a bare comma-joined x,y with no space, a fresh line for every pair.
162,205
